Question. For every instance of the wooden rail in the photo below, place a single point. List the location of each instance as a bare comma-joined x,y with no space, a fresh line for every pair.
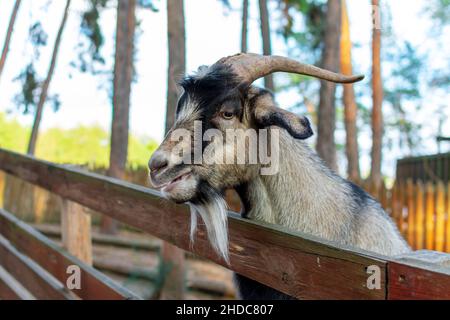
297,264
32,252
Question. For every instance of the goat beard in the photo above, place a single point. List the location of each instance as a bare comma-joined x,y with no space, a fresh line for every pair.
212,208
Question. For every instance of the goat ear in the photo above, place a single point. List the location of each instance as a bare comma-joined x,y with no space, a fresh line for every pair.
299,127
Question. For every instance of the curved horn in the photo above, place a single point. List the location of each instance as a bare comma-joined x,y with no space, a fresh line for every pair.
251,66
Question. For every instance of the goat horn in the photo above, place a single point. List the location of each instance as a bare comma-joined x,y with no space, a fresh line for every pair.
251,66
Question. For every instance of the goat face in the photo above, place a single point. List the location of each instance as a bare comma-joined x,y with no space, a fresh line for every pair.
215,103
197,161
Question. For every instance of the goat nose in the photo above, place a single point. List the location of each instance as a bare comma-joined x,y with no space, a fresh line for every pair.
157,162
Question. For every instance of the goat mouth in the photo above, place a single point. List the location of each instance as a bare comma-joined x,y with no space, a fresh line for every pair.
171,184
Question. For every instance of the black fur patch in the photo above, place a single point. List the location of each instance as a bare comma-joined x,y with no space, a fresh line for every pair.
217,85
359,194
205,192
252,290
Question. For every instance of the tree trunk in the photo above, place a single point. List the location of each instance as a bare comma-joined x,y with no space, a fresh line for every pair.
326,147
350,108
244,31
267,46
123,76
177,56
377,99
9,32
173,258
46,84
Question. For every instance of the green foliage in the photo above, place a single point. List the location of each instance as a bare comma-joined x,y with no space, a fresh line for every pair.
89,52
304,24
147,4
30,87
13,136
82,145
439,10
28,98
403,85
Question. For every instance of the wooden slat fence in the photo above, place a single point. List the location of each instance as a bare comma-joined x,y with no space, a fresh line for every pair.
421,211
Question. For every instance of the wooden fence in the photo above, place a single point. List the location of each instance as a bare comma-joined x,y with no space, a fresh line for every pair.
421,211
297,264
434,168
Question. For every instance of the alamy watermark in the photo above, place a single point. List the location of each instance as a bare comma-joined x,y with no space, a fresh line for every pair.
231,146
374,279
73,281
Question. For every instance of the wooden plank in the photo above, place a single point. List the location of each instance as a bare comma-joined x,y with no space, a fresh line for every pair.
11,289
76,231
417,281
146,244
172,271
40,283
2,188
429,217
440,217
420,217
312,268
411,216
400,211
447,224
94,285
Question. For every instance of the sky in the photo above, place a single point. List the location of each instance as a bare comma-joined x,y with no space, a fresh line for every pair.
211,32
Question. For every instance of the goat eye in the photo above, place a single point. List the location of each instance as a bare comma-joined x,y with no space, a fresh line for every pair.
227,115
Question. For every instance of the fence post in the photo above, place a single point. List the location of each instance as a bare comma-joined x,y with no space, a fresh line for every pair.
429,219
76,231
410,206
420,216
172,272
40,204
440,217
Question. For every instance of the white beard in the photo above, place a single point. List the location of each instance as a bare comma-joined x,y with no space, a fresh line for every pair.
213,212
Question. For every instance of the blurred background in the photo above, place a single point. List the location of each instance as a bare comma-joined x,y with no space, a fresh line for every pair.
93,83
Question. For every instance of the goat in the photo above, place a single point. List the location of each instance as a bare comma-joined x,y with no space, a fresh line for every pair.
304,195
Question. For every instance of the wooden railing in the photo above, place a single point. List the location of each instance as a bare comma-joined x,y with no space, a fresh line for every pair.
42,266
297,264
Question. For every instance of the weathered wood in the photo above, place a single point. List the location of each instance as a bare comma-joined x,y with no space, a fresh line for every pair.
76,231
411,216
19,198
94,285
447,226
440,217
105,239
11,289
40,204
40,283
2,188
312,268
429,217
172,272
420,275
400,204
420,217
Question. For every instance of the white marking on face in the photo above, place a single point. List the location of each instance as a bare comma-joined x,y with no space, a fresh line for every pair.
189,112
